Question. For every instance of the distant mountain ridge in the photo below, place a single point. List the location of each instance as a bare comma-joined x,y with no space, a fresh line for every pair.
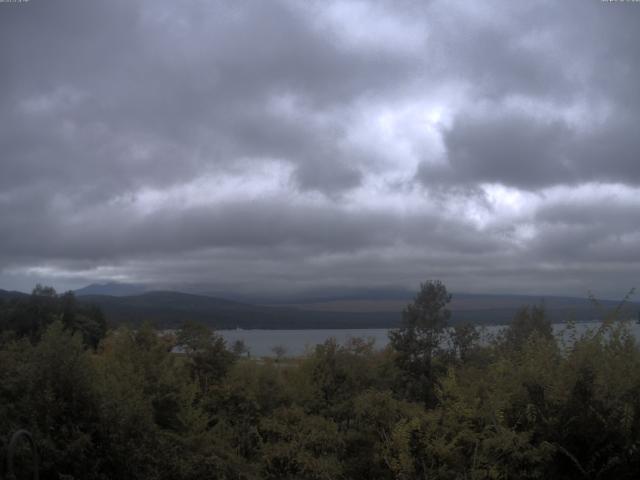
115,289
169,309
7,294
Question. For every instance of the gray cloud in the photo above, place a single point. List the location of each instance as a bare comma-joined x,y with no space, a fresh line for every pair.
518,149
282,145
552,99
503,147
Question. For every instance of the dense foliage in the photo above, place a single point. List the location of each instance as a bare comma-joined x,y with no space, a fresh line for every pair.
437,403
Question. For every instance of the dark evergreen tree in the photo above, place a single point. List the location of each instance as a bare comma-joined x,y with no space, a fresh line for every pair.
418,340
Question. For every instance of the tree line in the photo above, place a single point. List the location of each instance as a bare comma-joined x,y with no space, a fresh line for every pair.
106,403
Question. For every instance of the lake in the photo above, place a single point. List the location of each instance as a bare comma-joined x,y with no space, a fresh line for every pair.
298,342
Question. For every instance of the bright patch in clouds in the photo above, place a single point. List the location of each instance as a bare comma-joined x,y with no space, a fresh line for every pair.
260,179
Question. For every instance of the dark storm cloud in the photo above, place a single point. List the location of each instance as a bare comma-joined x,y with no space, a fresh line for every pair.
553,98
604,229
506,148
277,143
525,151
150,94
257,226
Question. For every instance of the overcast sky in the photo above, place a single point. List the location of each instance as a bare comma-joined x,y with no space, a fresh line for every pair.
279,146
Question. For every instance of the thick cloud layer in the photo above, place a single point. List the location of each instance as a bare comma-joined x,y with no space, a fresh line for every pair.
270,147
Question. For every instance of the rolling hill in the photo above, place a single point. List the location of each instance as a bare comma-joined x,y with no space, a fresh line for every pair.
8,294
169,309
115,289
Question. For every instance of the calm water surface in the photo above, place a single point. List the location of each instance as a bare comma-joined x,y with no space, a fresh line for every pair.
298,342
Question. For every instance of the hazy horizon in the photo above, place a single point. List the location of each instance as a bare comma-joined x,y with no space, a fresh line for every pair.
313,296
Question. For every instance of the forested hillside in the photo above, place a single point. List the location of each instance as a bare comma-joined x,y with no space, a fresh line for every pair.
171,309
119,404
